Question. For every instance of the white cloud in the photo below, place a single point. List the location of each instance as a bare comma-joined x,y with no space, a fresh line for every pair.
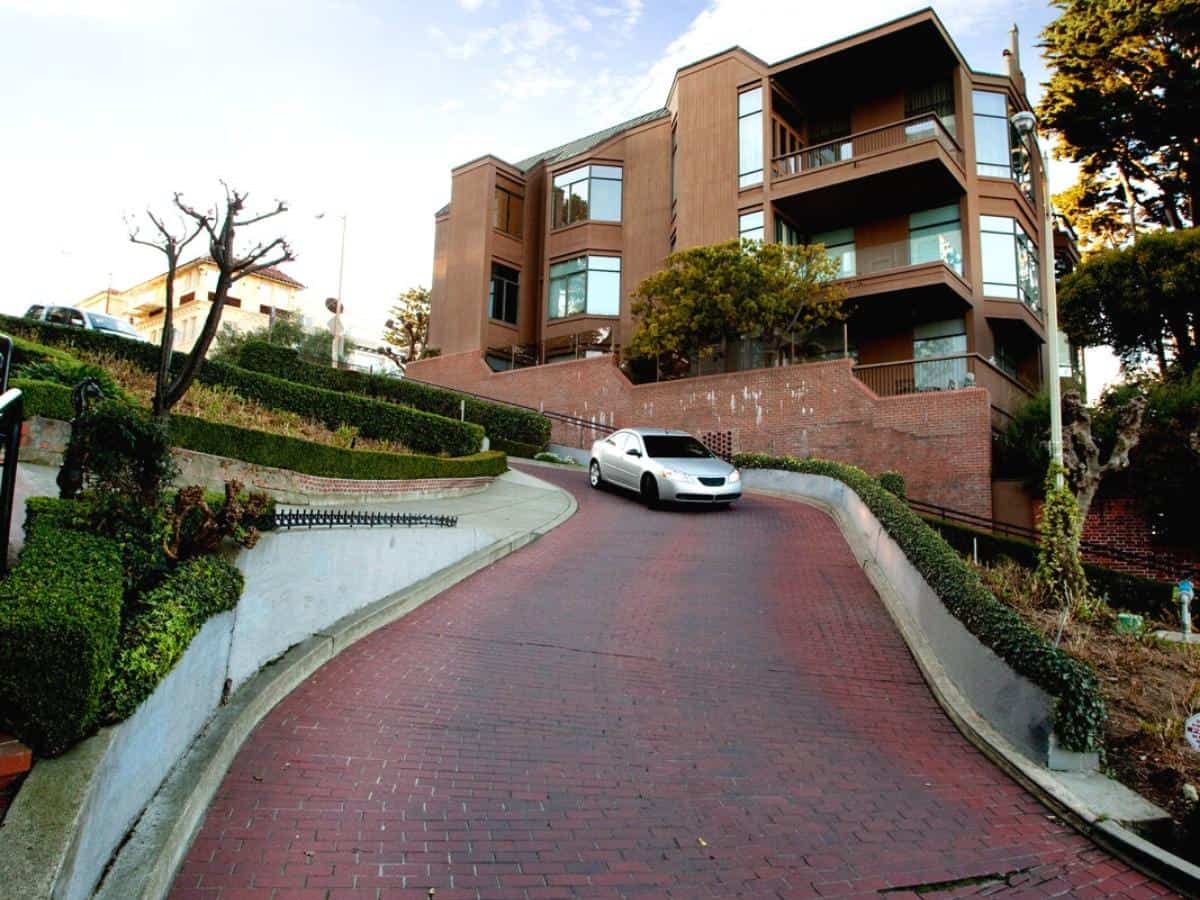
471,5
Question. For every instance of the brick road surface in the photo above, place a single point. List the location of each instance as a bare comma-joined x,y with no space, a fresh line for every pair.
683,704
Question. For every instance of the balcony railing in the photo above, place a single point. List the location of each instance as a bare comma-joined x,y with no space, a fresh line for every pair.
859,262
946,373
864,143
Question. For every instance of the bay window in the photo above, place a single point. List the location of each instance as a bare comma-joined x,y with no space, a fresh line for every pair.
589,192
1000,151
1010,261
586,285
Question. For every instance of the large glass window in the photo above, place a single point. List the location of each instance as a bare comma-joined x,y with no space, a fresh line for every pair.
589,192
510,209
999,150
674,170
1010,261
839,244
750,226
750,138
786,233
936,234
504,293
932,342
586,284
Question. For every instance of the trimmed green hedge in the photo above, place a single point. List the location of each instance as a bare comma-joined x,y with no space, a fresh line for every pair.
42,398
1079,713
420,431
163,625
893,482
1127,592
516,448
508,423
60,616
320,459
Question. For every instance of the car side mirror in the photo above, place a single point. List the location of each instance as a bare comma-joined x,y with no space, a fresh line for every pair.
633,452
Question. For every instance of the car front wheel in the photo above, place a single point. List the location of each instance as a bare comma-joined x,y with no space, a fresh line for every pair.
594,475
649,491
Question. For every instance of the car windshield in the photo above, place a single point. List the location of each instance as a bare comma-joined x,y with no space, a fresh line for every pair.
108,323
670,446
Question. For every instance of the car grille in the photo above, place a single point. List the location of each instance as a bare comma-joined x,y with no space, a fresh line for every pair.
712,482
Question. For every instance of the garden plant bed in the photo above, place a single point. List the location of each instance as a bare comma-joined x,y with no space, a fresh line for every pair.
1150,687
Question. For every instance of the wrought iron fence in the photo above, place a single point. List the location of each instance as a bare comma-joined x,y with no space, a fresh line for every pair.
352,518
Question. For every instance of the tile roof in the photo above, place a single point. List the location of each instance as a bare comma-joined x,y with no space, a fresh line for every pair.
271,273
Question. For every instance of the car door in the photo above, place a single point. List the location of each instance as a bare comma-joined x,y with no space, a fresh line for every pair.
631,464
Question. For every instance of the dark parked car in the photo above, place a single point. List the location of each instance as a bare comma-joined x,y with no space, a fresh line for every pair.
82,318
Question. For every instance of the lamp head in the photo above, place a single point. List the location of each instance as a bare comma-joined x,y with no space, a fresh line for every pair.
1025,122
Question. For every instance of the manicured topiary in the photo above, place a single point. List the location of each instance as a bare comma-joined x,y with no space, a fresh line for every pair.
54,402
510,424
60,615
162,624
1079,715
893,483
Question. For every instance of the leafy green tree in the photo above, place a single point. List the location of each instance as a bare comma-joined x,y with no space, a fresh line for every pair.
1124,97
315,345
734,290
1143,301
406,332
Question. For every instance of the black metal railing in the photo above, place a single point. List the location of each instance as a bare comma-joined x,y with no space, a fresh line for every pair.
351,518
12,413
1091,550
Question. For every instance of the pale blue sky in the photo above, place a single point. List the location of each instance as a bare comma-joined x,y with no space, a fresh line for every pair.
348,106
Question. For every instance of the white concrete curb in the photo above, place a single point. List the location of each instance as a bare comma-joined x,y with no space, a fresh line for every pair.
1047,786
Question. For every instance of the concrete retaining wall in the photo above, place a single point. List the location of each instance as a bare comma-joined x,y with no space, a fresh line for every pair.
1017,708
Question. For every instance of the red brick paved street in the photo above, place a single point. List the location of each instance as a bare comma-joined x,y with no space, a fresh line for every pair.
683,704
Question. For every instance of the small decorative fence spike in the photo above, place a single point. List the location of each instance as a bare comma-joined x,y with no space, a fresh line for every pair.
348,518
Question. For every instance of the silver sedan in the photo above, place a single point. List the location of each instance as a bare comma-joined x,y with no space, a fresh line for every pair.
663,465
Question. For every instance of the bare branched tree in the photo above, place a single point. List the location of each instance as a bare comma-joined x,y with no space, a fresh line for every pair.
221,228
1081,456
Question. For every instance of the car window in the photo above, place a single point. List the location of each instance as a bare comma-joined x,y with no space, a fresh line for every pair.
35,311
672,446
59,315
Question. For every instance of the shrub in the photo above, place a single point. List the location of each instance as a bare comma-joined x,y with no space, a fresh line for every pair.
1079,714
501,422
1123,591
893,483
162,625
424,432
320,459
60,615
198,527
555,458
123,452
1059,574
516,448
54,401
69,373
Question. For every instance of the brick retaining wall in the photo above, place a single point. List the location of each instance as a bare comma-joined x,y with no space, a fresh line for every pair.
939,441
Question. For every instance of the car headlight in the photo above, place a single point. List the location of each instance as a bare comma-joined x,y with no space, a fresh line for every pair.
678,476
735,477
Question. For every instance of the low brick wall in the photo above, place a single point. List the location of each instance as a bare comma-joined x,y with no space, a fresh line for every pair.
44,440
939,441
1116,522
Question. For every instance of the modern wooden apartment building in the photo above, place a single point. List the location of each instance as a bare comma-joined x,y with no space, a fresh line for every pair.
885,146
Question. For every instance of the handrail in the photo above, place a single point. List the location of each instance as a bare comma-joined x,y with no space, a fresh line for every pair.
549,414
1017,383
809,158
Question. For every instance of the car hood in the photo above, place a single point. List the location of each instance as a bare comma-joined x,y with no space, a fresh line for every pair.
689,466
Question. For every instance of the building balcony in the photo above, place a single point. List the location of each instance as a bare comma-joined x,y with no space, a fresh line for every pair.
948,373
902,165
903,266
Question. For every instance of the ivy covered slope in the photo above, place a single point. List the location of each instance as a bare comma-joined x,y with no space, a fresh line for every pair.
60,619
53,401
423,432
1079,715
510,424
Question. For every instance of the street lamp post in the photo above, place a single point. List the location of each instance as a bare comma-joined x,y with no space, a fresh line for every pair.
1025,124
335,345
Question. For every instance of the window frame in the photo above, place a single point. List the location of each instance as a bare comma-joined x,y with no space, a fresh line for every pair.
586,271
509,196
516,298
1022,242
745,233
585,176
937,226
743,120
